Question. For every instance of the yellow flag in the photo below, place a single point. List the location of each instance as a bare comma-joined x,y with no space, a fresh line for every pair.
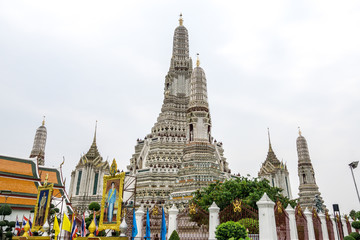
66,225
56,227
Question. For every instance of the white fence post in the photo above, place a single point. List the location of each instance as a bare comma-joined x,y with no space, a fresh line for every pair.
267,225
310,224
323,226
345,229
214,220
336,233
173,212
292,223
138,216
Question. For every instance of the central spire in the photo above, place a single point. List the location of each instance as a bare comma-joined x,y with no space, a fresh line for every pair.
180,60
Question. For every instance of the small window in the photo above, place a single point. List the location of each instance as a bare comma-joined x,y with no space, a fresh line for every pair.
78,183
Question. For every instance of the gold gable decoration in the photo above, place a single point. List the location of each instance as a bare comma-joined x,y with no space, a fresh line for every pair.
113,168
192,209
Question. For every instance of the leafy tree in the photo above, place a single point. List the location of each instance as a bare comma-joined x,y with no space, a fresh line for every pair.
229,230
174,236
356,224
94,206
248,190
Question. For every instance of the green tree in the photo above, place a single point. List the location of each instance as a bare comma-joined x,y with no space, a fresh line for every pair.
94,206
248,190
174,236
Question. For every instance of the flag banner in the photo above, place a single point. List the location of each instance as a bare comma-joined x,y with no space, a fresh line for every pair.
74,228
17,227
56,227
83,226
147,233
66,225
134,231
163,226
30,223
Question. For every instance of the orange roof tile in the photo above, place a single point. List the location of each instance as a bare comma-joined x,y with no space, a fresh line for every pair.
18,201
17,167
52,176
18,185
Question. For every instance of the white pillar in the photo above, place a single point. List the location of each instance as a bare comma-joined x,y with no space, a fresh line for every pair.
336,233
345,229
139,215
214,220
173,212
292,223
310,224
323,226
267,225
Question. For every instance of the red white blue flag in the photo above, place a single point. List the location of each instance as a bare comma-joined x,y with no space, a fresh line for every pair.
17,227
74,228
83,226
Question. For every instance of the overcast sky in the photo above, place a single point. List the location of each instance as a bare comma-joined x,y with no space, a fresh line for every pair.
277,64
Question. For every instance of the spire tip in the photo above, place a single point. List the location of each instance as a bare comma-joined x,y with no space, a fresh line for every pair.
181,20
43,121
299,131
197,60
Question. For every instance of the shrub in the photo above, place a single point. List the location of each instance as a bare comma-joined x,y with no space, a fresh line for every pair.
230,230
356,225
251,224
355,235
9,234
5,210
94,206
2,223
174,236
349,238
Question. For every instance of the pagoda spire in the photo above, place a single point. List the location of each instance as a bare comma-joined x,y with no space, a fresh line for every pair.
93,151
198,110
38,150
308,189
270,148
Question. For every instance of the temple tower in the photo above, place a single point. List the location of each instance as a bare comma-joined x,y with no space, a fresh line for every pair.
86,180
275,172
200,164
38,150
308,188
159,155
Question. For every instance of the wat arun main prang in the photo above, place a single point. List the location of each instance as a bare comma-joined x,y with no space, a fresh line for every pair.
180,155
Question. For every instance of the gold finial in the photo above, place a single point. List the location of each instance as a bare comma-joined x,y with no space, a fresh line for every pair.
181,20
46,179
299,131
26,229
197,60
43,122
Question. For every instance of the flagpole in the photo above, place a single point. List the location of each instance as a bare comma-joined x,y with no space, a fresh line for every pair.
61,213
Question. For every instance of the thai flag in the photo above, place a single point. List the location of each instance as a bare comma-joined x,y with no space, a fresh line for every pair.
97,226
30,223
17,227
83,226
23,223
74,228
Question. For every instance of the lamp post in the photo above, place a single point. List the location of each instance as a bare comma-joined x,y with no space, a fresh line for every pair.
352,166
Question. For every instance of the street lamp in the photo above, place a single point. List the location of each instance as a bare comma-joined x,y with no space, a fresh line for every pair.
352,166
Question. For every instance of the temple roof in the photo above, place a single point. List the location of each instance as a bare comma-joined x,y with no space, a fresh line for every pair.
20,178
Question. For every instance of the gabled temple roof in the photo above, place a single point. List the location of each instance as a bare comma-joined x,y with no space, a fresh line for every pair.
93,156
20,178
